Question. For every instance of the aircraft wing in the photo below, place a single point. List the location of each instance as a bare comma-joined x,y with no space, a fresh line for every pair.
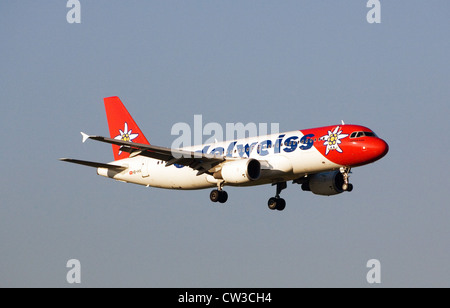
201,162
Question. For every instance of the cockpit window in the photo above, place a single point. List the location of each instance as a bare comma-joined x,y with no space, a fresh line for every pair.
370,134
362,134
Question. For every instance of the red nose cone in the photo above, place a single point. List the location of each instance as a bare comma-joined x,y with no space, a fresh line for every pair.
377,148
385,148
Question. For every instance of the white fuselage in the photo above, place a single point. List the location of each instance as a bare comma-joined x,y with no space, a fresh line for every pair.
285,156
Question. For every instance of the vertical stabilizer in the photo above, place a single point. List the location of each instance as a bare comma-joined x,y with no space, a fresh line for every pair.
121,125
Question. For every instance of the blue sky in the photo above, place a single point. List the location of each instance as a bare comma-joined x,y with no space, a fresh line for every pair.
298,63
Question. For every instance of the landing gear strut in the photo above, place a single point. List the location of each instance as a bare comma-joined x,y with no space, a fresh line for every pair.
277,203
219,195
345,173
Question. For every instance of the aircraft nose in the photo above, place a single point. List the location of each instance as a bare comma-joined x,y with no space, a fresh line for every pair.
384,147
378,148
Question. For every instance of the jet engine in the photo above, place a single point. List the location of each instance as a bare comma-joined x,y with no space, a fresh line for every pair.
240,171
325,183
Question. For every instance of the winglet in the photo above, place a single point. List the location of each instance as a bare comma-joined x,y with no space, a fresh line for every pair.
85,136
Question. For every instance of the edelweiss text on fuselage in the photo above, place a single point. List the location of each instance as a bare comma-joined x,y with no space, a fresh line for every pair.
263,148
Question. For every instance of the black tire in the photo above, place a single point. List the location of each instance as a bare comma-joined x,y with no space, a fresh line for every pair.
214,195
223,196
272,203
350,187
281,204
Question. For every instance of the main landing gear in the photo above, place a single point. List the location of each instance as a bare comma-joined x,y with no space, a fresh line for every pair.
277,203
274,203
219,195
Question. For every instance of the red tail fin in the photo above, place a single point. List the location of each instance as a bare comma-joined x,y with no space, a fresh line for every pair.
121,125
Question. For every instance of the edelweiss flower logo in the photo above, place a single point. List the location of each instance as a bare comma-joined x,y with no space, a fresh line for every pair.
333,139
126,135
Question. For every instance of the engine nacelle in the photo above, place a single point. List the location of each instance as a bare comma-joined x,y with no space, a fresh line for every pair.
325,183
240,171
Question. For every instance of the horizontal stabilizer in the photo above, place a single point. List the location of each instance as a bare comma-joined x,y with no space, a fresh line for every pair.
93,164
85,136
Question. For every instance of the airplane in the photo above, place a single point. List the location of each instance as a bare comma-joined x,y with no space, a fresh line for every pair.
319,159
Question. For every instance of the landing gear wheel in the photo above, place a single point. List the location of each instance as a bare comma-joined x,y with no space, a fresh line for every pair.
276,203
347,187
272,204
223,196
214,195
345,174
281,204
218,196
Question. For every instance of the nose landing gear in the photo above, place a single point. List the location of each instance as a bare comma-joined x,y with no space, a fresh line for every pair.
345,173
